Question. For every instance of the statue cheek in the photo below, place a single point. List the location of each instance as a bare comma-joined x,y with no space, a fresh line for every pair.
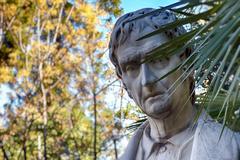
127,87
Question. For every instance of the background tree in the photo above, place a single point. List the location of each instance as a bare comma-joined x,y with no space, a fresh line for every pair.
51,58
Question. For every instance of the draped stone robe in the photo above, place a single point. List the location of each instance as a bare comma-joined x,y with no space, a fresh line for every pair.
206,144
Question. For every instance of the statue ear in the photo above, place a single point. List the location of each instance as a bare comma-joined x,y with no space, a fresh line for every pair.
129,94
192,88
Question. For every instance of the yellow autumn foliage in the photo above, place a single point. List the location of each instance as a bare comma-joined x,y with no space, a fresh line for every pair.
56,61
10,10
5,74
49,25
23,73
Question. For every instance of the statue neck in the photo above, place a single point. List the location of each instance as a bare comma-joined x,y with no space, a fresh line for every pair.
174,123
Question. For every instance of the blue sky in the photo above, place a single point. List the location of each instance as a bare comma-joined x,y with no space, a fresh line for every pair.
132,5
4,91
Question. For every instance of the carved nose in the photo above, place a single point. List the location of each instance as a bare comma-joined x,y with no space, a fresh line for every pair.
148,77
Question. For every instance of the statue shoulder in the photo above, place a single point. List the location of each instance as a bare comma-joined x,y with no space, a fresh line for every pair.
214,140
132,147
215,130
216,133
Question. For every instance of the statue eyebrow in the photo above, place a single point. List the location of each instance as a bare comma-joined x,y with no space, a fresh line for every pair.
136,58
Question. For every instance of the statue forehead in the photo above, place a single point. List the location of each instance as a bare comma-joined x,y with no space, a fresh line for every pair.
142,47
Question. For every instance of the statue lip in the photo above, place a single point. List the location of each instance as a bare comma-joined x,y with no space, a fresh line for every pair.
155,94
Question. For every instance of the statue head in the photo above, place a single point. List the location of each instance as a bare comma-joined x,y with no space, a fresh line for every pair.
155,97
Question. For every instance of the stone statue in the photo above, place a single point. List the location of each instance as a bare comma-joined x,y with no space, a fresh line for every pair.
170,132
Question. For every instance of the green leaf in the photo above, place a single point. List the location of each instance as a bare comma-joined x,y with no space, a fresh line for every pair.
180,22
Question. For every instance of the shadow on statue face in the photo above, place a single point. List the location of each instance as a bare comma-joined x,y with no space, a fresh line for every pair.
152,96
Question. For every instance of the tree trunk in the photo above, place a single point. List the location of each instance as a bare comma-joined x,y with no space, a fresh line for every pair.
45,142
5,156
39,147
115,148
24,150
76,154
95,127
1,29
45,116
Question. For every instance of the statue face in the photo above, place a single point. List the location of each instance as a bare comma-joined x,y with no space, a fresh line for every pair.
153,97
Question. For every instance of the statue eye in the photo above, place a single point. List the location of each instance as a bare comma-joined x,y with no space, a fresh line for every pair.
160,63
132,70
156,61
131,67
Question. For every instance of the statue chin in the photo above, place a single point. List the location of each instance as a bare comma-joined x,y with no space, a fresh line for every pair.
159,109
